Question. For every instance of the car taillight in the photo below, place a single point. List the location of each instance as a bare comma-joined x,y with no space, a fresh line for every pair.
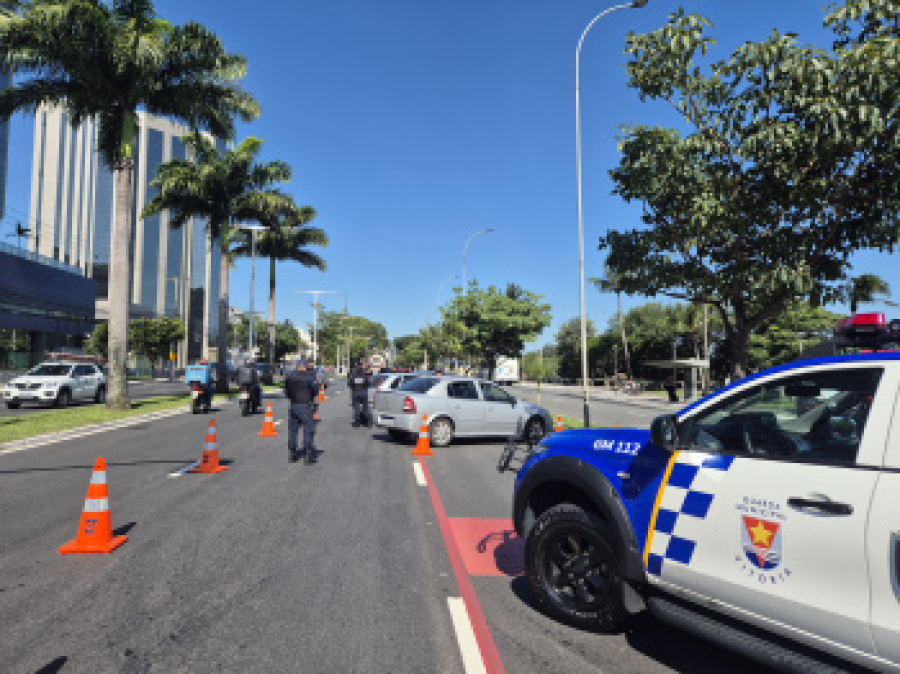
409,405
195,387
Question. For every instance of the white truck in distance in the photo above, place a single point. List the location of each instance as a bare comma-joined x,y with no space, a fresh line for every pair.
506,372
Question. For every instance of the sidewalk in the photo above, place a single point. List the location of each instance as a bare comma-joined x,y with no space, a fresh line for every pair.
652,399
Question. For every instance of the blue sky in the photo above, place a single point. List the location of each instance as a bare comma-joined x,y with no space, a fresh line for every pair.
411,125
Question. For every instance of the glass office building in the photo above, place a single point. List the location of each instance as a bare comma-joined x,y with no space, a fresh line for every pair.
175,272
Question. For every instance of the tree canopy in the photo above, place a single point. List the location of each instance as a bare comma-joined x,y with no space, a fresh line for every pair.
790,164
491,322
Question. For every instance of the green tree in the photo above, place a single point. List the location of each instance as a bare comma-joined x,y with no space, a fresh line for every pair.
150,337
223,190
610,283
537,368
783,338
865,289
98,342
790,165
409,351
288,237
154,337
107,60
568,346
492,322
361,336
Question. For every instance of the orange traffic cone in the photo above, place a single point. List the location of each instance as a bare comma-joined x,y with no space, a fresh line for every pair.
423,446
209,462
95,529
559,426
322,397
268,427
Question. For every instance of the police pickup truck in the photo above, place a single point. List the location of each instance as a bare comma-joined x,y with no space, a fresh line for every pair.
765,516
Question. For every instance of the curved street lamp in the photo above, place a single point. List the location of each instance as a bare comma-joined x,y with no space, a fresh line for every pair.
465,249
584,354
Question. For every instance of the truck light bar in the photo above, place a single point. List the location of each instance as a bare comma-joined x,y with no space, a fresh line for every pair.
867,330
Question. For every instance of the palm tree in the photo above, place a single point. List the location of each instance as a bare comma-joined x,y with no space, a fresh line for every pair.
611,284
223,189
287,238
866,288
106,61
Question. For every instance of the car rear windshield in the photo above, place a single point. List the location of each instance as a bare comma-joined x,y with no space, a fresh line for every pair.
50,370
419,385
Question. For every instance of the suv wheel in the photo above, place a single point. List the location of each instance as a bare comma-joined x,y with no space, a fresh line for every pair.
12,406
441,432
100,396
574,569
534,431
63,398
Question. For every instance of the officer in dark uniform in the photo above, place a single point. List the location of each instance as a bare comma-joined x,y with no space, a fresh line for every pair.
359,380
301,388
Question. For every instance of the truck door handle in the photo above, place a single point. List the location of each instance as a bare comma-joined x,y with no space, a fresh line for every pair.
830,507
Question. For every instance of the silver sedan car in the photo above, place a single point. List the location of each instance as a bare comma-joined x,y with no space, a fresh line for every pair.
458,407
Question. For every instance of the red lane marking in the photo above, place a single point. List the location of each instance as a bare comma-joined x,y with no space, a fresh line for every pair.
489,653
489,547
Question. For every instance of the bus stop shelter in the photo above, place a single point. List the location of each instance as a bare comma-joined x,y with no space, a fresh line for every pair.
692,367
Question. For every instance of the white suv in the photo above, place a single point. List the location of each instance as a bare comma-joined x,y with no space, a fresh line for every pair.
57,384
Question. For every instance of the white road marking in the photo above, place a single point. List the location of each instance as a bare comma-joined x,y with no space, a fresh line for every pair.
420,476
278,423
465,637
182,471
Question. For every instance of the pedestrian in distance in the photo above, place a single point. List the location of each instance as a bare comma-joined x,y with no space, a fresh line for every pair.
301,388
359,381
671,387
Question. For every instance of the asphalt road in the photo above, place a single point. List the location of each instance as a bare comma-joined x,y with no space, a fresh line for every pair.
270,566
606,408
137,391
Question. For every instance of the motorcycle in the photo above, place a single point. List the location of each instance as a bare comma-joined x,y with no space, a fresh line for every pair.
250,398
198,377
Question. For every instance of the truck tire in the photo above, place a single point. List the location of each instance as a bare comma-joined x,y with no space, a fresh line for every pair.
573,567
12,406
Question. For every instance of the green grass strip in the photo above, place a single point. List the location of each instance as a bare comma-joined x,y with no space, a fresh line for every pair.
21,426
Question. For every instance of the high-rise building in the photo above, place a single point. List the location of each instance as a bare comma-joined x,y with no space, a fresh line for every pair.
175,272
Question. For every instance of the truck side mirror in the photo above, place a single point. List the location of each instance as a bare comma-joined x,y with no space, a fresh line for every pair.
664,432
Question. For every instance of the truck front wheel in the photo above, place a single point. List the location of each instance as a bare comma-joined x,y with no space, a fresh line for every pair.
573,568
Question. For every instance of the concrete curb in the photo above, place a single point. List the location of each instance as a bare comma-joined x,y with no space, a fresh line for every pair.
72,433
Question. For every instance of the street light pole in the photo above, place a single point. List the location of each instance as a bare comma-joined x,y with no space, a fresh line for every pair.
315,294
465,250
253,230
584,353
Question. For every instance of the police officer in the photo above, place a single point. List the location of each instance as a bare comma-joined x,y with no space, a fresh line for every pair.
301,388
359,380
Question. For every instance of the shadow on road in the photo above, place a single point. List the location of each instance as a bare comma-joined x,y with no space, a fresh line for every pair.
124,529
667,645
53,666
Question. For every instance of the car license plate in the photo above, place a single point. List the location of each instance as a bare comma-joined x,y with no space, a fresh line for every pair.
26,396
244,395
195,394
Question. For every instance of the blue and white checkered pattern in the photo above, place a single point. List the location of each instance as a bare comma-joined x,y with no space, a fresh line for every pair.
682,510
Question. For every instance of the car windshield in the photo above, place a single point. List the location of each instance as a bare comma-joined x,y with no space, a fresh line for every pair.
50,370
419,385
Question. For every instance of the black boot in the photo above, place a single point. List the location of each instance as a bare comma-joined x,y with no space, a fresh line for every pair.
292,456
311,457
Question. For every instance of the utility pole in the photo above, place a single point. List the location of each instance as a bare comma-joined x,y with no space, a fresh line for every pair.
315,294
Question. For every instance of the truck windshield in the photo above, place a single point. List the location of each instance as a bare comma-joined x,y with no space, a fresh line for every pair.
419,385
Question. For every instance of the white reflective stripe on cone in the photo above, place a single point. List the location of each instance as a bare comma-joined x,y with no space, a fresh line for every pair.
96,505
98,477
210,446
